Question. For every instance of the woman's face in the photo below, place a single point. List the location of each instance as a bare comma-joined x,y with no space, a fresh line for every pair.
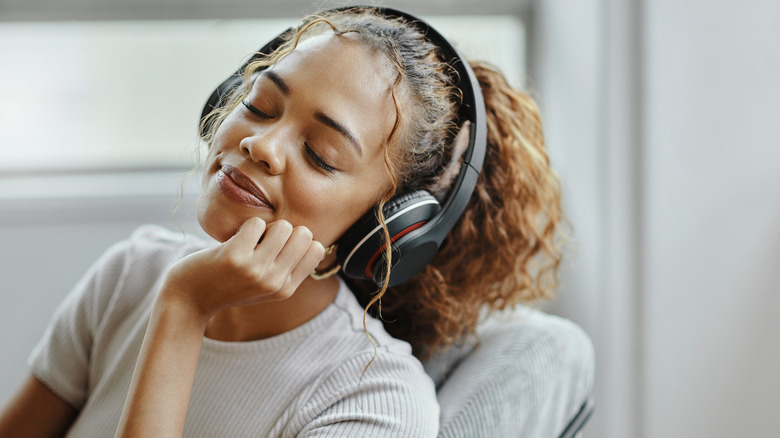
307,145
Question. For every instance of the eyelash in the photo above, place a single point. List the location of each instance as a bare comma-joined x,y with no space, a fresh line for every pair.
255,111
317,160
309,151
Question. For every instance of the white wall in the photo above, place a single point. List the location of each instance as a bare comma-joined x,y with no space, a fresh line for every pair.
675,195
712,218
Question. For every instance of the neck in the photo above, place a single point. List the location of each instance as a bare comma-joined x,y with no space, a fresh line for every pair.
261,321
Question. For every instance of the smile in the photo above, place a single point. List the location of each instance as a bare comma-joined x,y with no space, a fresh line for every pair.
234,184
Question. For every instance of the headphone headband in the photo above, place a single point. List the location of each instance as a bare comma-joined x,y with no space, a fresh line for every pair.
416,233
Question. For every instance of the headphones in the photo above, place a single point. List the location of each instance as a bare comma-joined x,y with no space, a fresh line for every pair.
416,221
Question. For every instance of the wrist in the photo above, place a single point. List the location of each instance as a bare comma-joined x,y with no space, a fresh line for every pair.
177,306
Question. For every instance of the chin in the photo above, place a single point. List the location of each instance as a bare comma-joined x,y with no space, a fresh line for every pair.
216,223
219,232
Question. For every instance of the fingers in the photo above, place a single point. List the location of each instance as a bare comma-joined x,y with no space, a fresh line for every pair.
278,255
295,248
248,234
276,238
296,260
263,242
308,263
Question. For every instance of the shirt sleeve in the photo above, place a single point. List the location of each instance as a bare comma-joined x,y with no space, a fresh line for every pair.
393,398
61,358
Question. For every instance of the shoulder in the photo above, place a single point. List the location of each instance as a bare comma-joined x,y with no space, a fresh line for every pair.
117,289
161,243
151,243
147,251
126,274
151,249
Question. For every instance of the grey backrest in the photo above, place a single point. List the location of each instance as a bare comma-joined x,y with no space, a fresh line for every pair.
529,375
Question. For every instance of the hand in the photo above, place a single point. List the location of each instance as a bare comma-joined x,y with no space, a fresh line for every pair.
242,271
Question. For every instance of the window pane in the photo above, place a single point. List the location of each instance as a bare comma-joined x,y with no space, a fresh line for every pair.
128,95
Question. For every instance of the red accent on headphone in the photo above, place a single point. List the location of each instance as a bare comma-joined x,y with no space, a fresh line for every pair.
409,229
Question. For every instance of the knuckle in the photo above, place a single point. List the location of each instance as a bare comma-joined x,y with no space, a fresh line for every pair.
254,221
233,260
277,283
284,226
255,276
317,247
285,292
303,232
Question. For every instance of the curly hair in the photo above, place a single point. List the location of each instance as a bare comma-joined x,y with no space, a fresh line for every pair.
504,249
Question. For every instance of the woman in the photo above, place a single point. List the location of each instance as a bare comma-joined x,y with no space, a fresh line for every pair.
166,336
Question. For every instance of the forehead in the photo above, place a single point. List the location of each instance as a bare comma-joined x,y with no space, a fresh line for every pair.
339,57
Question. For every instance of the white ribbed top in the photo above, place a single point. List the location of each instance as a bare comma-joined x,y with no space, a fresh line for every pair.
301,383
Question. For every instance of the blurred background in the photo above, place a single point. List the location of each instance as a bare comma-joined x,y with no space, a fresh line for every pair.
661,117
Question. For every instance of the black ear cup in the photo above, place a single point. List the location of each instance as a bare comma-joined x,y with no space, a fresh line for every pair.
361,248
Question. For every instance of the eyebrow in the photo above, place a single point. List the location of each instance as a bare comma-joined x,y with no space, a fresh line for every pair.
319,115
329,122
276,79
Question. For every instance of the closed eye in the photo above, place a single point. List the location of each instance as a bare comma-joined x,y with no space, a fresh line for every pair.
255,110
318,160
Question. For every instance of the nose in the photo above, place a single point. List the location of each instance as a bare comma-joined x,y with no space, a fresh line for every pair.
265,149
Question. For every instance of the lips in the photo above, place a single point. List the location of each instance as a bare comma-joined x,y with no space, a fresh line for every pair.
240,187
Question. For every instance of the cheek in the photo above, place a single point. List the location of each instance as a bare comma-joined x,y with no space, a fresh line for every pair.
210,219
230,127
331,212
